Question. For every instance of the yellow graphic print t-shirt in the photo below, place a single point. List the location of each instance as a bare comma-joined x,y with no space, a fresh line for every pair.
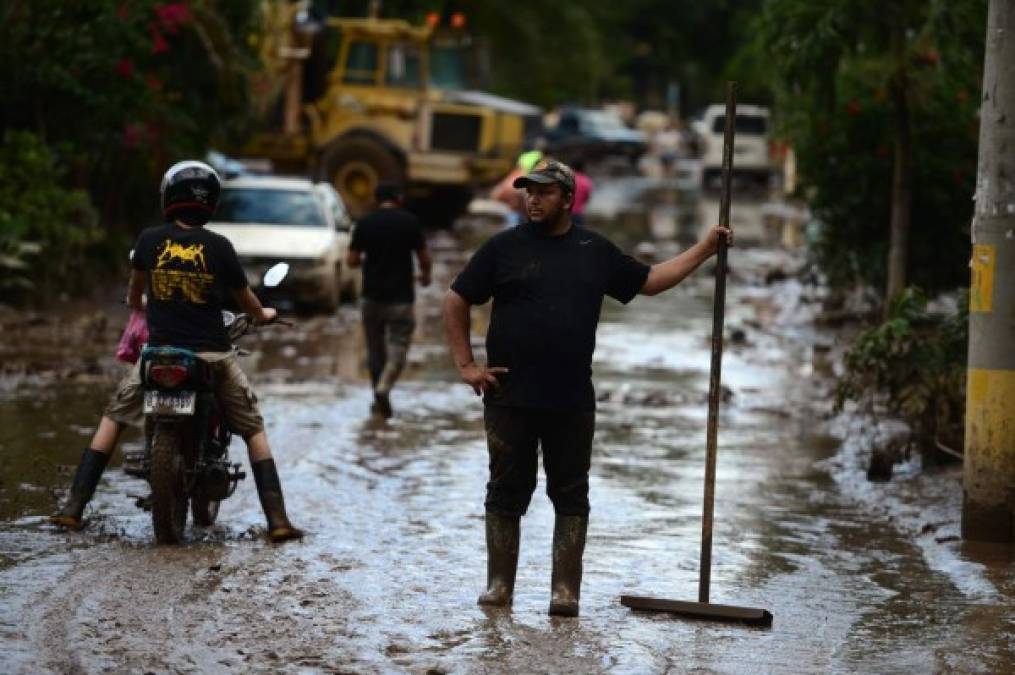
189,272
195,284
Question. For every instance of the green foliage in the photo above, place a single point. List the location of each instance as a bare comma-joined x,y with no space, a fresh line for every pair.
126,75
915,363
837,72
114,92
847,159
46,229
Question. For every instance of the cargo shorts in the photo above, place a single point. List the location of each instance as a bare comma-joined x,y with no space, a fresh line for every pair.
232,390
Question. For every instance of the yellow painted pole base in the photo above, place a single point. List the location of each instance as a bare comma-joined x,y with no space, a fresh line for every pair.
989,471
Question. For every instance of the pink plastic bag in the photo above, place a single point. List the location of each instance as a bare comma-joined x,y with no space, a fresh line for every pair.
134,336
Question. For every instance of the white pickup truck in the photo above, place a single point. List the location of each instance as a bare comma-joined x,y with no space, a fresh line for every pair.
751,155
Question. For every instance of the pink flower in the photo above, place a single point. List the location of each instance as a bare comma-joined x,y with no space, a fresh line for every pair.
159,44
172,15
132,134
125,68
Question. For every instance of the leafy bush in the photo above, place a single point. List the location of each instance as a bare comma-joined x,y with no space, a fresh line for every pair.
914,365
106,94
46,228
848,160
834,66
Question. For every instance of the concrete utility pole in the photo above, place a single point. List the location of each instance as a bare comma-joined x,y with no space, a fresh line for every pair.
988,507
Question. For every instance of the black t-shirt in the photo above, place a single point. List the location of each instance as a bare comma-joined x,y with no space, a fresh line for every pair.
189,271
388,236
547,294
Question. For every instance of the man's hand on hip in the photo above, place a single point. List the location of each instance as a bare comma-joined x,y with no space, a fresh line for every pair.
480,378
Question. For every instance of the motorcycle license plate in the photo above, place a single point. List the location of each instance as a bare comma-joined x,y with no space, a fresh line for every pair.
169,402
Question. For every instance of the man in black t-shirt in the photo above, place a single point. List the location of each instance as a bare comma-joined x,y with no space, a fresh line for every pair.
547,279
387,238
186,270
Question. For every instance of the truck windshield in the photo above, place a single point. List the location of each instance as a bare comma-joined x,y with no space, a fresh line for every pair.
403,66
269,207
745,124
603,121
361,66
448,68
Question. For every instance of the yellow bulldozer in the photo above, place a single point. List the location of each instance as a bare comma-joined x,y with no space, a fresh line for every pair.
358,101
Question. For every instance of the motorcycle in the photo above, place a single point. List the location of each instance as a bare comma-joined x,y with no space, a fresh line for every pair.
186,450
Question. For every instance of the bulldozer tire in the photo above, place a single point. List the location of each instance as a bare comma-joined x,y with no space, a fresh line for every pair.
355,166
169,494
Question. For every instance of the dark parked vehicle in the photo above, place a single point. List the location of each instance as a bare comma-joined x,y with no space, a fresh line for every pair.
593,135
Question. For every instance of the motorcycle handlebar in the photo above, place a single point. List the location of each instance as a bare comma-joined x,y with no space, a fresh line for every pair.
241,324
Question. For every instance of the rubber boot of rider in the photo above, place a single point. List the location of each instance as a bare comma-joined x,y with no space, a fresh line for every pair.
86,479
568,547
502,536
269,490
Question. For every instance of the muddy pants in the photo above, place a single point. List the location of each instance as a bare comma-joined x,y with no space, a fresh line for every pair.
388,328
513,436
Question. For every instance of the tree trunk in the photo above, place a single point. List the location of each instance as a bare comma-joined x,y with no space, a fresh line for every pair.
902,178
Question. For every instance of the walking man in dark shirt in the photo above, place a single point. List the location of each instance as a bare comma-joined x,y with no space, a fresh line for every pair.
547,279
387,238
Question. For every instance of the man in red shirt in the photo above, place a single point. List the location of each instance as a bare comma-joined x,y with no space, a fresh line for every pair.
583,186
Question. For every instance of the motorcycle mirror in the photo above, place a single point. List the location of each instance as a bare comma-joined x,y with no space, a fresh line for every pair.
275,274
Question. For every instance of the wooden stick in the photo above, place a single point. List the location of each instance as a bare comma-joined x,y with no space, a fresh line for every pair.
718,316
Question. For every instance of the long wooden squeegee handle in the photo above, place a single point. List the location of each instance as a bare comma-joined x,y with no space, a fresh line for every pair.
718,316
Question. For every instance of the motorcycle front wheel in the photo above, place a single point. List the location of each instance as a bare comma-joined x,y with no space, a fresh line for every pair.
168,481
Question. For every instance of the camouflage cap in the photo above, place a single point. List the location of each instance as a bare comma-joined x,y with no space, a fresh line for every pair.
548,171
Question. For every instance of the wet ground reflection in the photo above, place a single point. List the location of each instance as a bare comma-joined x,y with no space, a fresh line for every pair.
855,574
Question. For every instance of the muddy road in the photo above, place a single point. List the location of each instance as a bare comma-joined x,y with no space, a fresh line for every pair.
860,577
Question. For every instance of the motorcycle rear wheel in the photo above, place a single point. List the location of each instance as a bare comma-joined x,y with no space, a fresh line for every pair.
204,510
168,481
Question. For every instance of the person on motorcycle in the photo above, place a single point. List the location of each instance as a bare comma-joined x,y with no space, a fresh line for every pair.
184,269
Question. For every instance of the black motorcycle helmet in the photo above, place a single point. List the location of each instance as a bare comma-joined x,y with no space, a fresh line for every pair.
190,192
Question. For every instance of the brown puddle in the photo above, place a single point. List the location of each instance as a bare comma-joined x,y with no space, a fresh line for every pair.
388,576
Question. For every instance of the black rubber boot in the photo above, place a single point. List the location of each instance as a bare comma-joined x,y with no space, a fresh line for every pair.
382,405
90,469
502,534
269,489
568,547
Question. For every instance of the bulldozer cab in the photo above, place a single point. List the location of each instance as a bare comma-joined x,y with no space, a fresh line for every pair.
386,101
378,54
